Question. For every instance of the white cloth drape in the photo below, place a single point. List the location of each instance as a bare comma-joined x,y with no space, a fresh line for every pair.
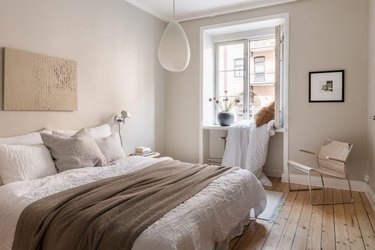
247,147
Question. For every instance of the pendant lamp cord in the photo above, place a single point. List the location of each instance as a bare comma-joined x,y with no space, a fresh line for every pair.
173,10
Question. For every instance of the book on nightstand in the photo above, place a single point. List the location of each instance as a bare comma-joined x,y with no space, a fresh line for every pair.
143,151
146,153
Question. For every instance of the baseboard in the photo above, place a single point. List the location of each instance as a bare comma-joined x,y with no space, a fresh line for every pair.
273,172
329,182
371,196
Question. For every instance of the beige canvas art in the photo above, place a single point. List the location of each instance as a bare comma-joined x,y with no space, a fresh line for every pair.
38,82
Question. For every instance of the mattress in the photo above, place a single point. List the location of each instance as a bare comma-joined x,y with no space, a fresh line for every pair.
198,223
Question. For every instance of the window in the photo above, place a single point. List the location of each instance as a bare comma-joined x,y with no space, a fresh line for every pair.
245,76
259,68
230,78
238,68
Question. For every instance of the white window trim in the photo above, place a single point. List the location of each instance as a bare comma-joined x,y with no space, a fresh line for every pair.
246,73
284,130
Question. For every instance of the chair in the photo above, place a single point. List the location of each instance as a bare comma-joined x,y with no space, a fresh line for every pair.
331,162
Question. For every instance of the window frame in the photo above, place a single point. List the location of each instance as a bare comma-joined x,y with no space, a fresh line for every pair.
245,73
246,78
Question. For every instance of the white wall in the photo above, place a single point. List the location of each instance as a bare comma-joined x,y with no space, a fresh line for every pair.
371,94
115,45
324,35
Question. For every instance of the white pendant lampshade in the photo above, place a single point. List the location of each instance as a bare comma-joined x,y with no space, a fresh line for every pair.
174,50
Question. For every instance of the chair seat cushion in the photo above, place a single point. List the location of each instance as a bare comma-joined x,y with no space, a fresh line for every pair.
330,173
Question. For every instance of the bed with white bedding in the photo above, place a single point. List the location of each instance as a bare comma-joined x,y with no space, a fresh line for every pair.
201,222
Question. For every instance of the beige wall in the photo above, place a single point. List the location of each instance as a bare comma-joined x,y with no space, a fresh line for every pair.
115,45
324,35
371,94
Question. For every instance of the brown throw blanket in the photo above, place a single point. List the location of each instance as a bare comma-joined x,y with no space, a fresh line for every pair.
110,213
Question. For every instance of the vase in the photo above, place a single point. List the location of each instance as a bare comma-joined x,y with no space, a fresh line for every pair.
225,118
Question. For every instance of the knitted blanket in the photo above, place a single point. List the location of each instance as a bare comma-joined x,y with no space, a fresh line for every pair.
110,213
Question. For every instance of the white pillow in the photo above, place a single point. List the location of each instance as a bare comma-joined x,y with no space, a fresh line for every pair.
111,148
25,162
98,132
25,139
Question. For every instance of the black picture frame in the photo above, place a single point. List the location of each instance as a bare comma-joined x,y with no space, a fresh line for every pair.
327,86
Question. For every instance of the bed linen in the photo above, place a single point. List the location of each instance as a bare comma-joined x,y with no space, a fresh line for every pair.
198,223
247,147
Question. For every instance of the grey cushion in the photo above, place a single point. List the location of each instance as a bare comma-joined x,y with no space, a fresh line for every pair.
78,151
111,148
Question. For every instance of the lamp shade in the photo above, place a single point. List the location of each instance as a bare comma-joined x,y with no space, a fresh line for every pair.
174,50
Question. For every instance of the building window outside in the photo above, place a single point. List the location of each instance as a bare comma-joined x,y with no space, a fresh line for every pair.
259,68
238,68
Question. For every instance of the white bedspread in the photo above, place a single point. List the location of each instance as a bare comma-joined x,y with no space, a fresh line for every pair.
247,147
198,223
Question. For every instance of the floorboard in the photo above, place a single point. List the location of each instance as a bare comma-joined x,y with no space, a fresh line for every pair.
300,225
328,226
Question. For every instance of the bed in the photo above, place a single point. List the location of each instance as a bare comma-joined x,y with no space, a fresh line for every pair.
207,220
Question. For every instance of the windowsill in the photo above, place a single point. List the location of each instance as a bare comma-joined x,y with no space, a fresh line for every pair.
218,127
214,127
262,83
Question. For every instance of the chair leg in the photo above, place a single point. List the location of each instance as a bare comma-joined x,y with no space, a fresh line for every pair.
310,192
341,202
300,189
350,186
290,188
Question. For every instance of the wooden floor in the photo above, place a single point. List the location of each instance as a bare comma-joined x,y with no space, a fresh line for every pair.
302,226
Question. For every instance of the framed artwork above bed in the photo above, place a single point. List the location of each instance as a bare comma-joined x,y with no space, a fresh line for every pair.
34,82
326,86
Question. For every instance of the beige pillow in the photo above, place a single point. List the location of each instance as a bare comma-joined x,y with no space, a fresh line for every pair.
111,148
78,151
265,114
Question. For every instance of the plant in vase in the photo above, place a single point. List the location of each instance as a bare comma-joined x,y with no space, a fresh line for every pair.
224,106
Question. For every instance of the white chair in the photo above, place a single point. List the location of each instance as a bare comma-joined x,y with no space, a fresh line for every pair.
331,162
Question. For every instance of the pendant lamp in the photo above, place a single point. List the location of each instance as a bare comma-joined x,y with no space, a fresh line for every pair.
174,50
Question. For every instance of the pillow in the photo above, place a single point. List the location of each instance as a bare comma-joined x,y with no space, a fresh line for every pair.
25,162
25,139
98,132
73,152
265,114
111,148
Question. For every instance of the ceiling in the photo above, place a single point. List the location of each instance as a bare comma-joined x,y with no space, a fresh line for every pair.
193,9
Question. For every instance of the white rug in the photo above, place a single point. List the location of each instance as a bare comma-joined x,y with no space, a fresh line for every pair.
274,202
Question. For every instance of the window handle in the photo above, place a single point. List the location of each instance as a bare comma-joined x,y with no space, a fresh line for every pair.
373,117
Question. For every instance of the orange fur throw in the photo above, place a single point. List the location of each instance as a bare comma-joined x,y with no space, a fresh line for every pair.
265,114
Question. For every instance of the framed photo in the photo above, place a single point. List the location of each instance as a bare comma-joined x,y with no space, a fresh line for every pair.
326,86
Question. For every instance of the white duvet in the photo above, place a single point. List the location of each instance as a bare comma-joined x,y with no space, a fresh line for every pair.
198,223
247,147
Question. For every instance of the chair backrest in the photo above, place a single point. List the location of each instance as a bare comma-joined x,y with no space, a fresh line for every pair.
337,150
